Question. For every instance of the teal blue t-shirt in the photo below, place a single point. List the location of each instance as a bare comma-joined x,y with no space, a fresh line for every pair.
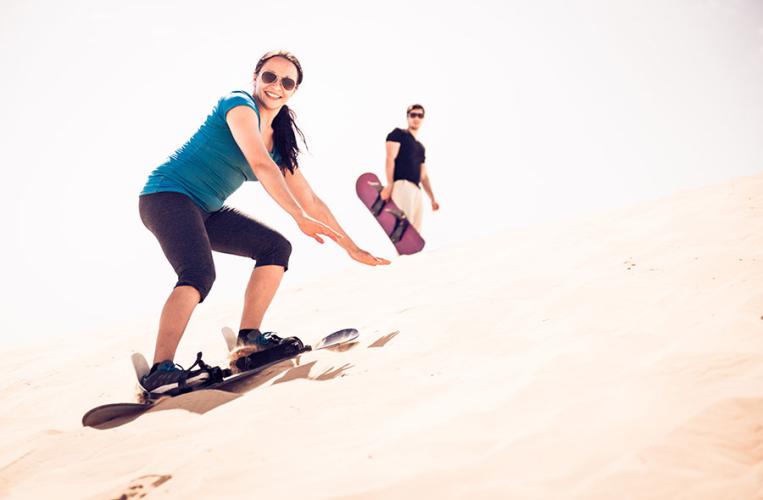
210,166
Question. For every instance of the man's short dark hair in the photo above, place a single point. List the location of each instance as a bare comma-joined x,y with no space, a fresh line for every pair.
415,106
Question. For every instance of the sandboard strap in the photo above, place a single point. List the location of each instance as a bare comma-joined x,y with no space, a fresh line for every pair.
378,206
401,224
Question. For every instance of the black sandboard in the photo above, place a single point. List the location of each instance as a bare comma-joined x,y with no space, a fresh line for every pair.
112,411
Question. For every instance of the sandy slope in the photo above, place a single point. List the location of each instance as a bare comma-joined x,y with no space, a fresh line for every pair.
615,357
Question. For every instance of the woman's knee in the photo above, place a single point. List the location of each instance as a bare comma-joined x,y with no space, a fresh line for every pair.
278,252
201,279
284,249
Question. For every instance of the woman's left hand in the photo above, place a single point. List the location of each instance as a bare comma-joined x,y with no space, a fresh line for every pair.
366,258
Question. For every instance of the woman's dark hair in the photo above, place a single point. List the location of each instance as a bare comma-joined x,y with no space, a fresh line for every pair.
284,124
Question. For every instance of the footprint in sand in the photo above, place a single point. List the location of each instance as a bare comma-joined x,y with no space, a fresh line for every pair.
142,486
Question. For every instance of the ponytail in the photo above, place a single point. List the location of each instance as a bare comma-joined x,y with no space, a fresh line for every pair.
285,140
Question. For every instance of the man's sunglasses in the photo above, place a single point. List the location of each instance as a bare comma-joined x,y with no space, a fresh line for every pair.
269,77
412,114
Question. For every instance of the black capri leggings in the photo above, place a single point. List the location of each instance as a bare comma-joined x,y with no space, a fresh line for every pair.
188,234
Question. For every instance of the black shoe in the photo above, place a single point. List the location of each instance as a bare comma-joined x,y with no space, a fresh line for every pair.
166,376
255,338
278,350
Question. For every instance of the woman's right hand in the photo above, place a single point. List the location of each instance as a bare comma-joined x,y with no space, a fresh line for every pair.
366,258
386,192
314,228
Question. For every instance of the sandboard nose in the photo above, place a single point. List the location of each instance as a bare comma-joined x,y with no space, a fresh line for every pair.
339,337
367,179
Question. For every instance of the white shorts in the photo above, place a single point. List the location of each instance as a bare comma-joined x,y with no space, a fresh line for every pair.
407,196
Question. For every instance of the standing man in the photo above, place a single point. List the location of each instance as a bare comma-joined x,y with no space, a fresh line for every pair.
405,169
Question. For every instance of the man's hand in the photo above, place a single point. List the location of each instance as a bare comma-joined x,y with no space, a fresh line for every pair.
314,229
366,258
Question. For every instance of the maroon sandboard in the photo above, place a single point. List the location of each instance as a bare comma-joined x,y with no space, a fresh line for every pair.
396,225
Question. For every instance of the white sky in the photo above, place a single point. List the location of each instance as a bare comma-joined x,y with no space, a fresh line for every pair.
535,110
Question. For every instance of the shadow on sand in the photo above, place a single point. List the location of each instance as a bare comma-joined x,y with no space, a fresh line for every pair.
382,341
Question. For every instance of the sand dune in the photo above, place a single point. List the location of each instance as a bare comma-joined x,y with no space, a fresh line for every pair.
618,356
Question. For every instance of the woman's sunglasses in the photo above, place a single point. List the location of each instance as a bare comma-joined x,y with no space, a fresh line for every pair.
269,77
411,114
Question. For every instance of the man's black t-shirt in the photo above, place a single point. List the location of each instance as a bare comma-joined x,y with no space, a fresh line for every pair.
409,159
